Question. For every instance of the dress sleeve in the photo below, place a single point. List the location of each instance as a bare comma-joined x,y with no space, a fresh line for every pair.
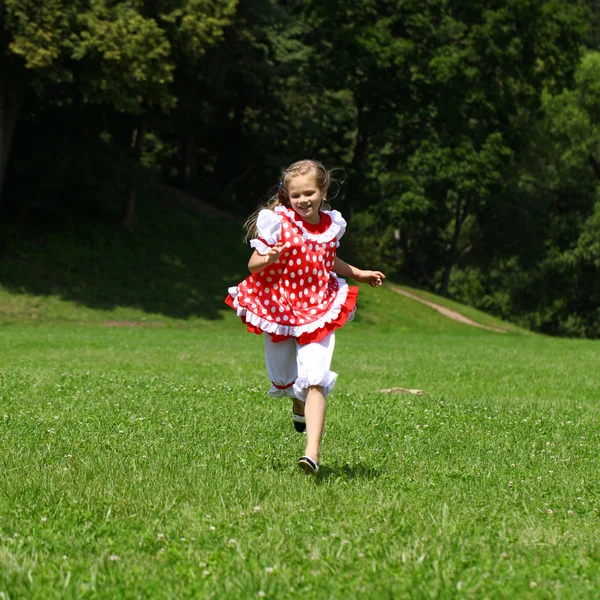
268,225
338,223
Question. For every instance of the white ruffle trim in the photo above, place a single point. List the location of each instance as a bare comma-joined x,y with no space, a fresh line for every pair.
299,390
260,247
277,393
268,225
327,380
335,230
295,330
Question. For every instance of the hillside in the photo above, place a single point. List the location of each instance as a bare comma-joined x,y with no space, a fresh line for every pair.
173,268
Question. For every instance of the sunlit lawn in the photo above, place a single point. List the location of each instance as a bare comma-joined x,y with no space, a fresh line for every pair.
147,462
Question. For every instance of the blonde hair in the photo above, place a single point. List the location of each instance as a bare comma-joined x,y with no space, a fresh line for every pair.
281,196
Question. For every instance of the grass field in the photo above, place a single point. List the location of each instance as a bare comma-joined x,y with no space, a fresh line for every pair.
141,458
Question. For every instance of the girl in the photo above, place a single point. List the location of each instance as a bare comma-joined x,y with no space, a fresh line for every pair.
295,296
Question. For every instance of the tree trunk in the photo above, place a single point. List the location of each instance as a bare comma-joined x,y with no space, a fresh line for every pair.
595,165
12,86
228,190
593,24
415,265
190,165
230,147
137,142
459,219
357,166
423,272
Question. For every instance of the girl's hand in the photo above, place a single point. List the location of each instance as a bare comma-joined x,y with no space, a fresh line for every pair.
274,253
258,261
373,278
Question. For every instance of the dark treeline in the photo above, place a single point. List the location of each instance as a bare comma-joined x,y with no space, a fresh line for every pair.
467,132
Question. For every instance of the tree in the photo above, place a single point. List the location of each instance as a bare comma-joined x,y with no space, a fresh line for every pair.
540,262
444,95
120,54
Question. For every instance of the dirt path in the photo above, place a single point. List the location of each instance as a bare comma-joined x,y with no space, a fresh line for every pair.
450,314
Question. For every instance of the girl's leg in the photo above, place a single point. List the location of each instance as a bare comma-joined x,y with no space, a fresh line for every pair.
315,381
314,411
299,407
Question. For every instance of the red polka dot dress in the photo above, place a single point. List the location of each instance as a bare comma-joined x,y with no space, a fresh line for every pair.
299,296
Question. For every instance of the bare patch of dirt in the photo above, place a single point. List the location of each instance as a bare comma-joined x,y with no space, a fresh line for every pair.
401,390
447,312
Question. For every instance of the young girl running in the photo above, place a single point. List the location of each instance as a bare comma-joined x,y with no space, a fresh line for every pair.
294,295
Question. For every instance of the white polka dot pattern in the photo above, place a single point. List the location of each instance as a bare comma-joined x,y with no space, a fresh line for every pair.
275,293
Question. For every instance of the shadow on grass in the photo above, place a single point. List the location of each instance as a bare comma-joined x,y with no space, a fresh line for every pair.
177,262
348,472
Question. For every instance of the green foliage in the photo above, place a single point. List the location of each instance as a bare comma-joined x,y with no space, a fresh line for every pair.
195,25
473,96
118,53
440,182
119,56
442,94
548,282
36,30
131,54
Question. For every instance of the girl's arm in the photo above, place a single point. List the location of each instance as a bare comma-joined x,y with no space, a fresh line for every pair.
258,261
373,278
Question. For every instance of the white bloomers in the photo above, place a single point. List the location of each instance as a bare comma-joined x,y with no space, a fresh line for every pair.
293,368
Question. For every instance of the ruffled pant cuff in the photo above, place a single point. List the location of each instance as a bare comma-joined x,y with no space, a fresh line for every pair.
282,393
327,380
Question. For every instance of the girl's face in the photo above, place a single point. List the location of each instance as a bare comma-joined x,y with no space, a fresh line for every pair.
306,197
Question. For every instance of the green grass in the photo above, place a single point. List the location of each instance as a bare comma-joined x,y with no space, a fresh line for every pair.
145,460
148,462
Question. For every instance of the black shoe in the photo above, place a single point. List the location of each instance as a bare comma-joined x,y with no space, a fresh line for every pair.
299,422
308,465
